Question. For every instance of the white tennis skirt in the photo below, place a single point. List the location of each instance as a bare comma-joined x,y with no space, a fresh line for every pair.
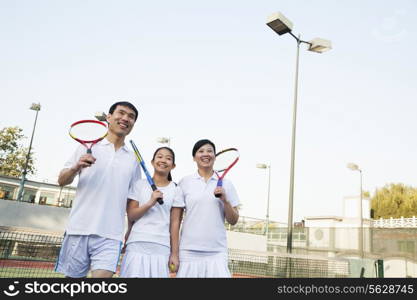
202,264
145,260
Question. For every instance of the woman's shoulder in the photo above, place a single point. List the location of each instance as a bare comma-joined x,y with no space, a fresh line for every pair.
187,178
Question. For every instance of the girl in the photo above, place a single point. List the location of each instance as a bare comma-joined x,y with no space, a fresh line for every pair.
152,245
203,245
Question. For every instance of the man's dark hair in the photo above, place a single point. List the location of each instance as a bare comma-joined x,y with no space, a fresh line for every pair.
124,103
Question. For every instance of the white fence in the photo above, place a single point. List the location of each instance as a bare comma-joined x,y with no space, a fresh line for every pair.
396,223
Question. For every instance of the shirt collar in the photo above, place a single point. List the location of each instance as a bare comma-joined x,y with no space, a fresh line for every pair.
198,176
106,142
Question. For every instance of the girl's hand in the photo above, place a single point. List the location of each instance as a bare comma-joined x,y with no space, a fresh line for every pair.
155,195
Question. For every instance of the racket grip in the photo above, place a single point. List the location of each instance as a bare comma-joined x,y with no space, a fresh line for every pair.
89,151
159,200
219,183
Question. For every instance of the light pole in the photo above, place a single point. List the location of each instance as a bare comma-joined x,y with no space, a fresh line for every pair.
36,107
264,166
281,25
164,140
355,167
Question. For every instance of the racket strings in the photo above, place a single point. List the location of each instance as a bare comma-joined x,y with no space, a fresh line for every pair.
88,132
224,160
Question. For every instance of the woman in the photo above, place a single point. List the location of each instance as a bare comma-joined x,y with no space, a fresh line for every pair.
152,242
203,244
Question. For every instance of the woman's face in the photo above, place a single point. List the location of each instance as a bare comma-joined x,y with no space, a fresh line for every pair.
163,161
205,157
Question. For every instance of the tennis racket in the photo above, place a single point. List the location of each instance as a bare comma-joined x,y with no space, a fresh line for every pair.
88,132
148,176
225,160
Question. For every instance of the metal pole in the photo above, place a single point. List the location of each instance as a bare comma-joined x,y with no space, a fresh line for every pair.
267,204
291,198
22,182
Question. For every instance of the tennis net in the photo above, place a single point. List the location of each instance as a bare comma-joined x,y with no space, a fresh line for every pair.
33,254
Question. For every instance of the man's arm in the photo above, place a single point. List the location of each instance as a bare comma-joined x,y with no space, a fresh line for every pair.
67,175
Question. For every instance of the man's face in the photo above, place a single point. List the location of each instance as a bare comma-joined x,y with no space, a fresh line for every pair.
121,121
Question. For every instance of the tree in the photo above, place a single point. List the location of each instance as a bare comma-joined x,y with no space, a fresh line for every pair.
395,200
13,154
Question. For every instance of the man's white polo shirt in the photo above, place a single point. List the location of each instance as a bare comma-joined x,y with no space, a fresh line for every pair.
100,202
203,228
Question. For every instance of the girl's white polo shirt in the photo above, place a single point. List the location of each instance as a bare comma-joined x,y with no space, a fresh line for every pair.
153,226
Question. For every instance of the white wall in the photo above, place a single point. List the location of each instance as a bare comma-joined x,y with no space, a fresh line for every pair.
399,268
246,241
351,207
22,214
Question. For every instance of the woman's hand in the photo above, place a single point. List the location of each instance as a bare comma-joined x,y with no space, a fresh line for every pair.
173,263
220,191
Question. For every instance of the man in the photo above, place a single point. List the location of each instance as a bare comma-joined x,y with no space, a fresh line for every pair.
95,228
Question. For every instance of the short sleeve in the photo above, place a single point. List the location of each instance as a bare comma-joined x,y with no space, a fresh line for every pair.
231,193
135,189
134,182
72,161
178,200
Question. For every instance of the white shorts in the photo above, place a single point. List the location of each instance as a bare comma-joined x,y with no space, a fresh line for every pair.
145,260
202,264
80,252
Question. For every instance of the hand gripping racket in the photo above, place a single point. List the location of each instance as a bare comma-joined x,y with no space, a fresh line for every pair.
148,176
225,160
88,132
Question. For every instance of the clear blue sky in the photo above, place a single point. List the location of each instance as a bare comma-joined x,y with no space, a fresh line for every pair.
215,70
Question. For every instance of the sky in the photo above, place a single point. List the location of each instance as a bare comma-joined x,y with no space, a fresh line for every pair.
215,70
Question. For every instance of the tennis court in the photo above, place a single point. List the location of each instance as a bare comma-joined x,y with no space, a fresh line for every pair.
33,254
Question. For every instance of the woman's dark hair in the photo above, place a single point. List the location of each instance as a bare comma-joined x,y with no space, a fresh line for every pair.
173,158
201,143
124,103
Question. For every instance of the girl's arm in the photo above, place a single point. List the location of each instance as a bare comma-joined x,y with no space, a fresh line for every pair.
129,229
136,211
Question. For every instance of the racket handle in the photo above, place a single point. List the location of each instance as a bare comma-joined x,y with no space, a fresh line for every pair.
219,183
89,151
159,200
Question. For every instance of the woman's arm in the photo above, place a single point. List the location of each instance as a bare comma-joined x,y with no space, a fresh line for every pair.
231,213
174,229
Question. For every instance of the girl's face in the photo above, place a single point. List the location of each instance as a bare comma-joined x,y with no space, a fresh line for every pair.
205,157
163,161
